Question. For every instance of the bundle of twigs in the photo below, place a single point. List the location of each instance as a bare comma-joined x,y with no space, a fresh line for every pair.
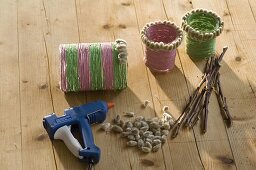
198,103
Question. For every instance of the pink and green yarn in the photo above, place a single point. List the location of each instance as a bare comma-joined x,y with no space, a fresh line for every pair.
72,65
84,73
96,70
120,71
107,60
92,66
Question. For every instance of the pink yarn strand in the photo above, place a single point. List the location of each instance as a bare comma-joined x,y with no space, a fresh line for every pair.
83,60
63,68
107,62
160,61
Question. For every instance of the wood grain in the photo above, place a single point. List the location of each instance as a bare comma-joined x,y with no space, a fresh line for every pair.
164,88
60,26
110,26
35,97
242,134
193,72
29,87
10,127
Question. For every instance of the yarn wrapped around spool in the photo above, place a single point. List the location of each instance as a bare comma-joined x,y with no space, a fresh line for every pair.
93,66
202,27
161,39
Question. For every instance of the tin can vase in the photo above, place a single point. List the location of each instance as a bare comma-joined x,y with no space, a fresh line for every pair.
202,27
93,66
161,39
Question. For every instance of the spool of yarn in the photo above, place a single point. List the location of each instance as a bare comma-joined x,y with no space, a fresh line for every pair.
161,39
93,66
201,27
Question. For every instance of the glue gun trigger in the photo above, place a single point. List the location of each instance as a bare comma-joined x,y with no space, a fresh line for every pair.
64,134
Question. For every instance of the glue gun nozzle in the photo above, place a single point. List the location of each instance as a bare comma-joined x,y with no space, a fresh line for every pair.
110,105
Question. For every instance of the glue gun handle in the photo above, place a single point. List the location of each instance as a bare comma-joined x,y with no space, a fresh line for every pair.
70,141
86,133
91,151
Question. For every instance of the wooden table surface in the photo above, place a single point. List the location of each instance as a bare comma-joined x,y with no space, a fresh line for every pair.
30,33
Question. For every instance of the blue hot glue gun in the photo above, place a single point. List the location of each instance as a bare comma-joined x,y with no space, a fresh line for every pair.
83,116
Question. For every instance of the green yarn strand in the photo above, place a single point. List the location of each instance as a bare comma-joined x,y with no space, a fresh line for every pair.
204,23
96,71
199,50
72,65
120,71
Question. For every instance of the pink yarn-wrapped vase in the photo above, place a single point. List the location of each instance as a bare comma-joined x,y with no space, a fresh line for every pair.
161,39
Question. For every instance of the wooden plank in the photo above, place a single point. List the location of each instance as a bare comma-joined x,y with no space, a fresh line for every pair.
10,129
234,70
34,89
60,26
214,157
171,89
193,73
243,65
238,68
109,26
43,25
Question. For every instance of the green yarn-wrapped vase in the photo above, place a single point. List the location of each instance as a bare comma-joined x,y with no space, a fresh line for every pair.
201,27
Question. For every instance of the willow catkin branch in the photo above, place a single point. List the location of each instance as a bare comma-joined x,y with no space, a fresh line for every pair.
186,109
209,64
206,68
191,108
222,103
177,124
183,117
205,115
196,117
222,54
193,96
229,118
175,131
196,108
220,99
210,81
218,85
217,65
208,88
